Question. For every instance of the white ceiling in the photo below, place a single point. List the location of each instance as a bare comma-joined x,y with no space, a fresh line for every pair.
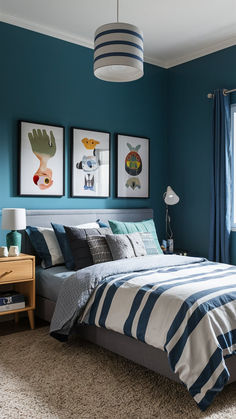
175,31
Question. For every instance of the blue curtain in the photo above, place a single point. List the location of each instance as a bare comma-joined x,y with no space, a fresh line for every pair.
220,217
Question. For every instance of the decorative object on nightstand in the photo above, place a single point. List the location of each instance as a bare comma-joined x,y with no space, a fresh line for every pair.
18,273
13,219
14,251
170,198
179,252
3,251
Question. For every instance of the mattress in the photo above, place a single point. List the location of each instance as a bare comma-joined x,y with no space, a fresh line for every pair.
49,281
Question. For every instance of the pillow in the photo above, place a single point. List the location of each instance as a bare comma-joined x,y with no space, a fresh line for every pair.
99,249
120,246
125,246
119,227
80,251
149,243
101,223
137,244
64,244
46,245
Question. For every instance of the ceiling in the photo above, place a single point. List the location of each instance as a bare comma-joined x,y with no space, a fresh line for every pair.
175,31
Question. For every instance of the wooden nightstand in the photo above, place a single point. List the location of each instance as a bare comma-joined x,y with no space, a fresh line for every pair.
20,273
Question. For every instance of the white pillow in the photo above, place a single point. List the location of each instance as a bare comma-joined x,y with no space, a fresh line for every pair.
88,225
53,246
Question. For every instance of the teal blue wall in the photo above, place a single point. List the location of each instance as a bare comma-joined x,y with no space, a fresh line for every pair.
48,80
190,144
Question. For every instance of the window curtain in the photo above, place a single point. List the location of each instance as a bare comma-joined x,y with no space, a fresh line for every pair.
220,221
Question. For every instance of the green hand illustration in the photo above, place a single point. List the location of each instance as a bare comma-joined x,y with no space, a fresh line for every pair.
41,143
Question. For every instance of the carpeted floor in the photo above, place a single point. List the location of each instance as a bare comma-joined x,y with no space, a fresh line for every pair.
42,378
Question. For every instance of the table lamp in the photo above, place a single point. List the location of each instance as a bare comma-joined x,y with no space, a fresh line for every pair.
13,219
170,198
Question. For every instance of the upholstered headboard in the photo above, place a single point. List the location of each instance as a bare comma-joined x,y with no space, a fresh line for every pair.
43,218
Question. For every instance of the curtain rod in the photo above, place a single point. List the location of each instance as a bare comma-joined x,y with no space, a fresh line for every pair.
225,92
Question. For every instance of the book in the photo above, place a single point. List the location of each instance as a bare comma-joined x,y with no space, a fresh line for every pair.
13,306
11,300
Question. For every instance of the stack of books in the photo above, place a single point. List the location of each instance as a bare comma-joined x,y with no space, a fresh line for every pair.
11,300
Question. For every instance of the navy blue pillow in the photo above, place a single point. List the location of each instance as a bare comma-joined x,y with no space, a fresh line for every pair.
101,224
46,245
64,245
39,244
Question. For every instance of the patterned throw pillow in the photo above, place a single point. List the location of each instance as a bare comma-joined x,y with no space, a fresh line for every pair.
119,227
137,243
120,246
80,251
99,249
46,245
149,243
125,246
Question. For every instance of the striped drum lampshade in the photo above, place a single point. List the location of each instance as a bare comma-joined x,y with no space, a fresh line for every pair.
118,52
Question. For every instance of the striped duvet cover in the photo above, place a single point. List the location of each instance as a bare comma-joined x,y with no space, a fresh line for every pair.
187,310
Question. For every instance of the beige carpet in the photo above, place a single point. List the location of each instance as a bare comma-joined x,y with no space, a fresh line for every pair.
42,378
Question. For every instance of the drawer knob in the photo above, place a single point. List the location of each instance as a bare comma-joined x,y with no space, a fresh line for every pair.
6,273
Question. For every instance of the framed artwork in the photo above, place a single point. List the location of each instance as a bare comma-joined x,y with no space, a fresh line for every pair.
90,165
41,159
132,167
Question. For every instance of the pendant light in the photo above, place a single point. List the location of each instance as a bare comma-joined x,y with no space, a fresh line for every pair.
118,52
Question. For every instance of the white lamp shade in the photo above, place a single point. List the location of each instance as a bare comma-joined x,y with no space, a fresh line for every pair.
118,52
13,219
170,197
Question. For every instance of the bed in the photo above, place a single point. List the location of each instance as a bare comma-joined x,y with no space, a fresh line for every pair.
47,281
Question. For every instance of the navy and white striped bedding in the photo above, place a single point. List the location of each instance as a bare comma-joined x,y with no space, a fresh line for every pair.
187,310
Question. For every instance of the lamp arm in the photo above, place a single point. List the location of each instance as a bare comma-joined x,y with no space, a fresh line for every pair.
169,232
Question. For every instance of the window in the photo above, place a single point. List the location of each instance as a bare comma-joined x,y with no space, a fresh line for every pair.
233,125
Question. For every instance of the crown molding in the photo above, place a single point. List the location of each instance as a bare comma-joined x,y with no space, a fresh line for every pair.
65,36
45,30
154,61
230,42
75,39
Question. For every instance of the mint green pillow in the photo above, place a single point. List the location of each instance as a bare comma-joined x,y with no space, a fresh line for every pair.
118,227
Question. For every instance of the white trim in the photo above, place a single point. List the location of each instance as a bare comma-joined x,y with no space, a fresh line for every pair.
45,30
75,39
202,52
154,61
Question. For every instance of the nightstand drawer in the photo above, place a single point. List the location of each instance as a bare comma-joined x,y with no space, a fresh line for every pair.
16,270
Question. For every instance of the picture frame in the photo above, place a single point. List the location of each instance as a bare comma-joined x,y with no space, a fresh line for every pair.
41,159
90,163
133,166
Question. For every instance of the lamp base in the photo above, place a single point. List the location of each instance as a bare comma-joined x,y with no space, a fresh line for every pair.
170,245
13,239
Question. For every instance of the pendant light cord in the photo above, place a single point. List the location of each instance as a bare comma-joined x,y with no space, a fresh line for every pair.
117,11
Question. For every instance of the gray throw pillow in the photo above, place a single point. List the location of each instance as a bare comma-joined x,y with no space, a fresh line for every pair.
120,246
125,246
99,249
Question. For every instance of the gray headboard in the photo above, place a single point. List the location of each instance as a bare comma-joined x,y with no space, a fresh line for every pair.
43,218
